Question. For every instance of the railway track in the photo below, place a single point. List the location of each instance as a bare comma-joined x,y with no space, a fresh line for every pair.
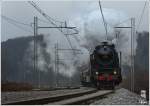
82,99
69,98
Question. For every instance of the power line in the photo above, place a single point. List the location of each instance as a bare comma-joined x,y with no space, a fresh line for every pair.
141,15
14,23
42,20
76,31
41,11
123,21
52,21
105,24
33,4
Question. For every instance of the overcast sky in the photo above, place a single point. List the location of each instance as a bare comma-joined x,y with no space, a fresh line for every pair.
22,11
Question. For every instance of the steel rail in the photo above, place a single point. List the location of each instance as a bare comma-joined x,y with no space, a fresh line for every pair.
83,99
55,98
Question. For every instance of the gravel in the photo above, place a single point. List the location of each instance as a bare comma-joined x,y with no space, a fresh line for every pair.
121,97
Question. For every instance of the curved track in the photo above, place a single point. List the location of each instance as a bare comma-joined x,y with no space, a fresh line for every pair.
69,98
82,99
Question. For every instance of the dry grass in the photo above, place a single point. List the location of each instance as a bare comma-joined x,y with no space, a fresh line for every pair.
13,86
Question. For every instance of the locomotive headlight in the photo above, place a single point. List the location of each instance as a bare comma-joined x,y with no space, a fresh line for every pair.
96,73
115,72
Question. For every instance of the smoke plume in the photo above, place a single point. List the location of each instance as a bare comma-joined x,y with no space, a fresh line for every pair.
91,33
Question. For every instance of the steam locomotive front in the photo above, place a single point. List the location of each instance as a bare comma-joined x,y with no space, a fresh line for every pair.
105,64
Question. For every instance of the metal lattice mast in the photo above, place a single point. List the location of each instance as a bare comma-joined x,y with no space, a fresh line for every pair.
56,63
54,23
132,49
132,27
35,48
36,27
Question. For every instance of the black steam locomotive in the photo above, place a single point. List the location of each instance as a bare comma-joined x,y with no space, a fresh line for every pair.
105,67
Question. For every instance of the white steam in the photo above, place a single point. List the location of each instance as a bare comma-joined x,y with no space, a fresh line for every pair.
91,32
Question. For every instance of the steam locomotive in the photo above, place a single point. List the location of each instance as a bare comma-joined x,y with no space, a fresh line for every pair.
105,67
